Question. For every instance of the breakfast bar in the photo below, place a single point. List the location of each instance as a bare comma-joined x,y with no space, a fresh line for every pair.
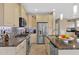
59,47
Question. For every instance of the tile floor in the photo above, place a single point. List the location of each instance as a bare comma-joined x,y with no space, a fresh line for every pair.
37,49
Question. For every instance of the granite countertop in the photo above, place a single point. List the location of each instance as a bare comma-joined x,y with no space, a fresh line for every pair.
14,41
58,44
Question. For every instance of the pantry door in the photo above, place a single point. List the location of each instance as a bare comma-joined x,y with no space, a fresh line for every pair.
42,30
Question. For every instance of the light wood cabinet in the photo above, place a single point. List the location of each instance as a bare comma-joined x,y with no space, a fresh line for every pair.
11,15
24,15
16,15
32,21
1,14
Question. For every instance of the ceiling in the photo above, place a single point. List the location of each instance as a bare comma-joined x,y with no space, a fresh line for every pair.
65,8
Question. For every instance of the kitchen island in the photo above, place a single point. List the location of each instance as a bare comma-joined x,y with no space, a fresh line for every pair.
58,47
18,46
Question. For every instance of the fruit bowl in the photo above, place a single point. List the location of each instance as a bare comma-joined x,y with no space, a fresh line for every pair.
63,37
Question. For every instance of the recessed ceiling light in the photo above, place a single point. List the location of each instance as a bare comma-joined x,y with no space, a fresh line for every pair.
35,10
53,9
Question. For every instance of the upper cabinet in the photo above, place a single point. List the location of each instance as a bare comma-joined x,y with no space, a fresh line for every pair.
11,14
24,15
16,15
32,21
1,14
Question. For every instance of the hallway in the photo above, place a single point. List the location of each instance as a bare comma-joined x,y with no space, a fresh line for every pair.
37,49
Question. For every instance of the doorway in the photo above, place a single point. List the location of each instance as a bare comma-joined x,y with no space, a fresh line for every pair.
42,30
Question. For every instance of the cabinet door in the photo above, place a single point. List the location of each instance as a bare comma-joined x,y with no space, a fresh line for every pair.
53,50
24,14
11,14
1,14
16,15
8,14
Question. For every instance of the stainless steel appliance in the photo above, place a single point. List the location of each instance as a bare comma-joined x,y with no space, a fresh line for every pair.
42,30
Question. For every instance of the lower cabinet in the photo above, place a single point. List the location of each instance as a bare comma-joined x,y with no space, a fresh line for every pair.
53,50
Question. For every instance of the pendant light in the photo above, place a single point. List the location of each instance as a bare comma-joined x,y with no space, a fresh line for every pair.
54,11
75,9
59,26
61,16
